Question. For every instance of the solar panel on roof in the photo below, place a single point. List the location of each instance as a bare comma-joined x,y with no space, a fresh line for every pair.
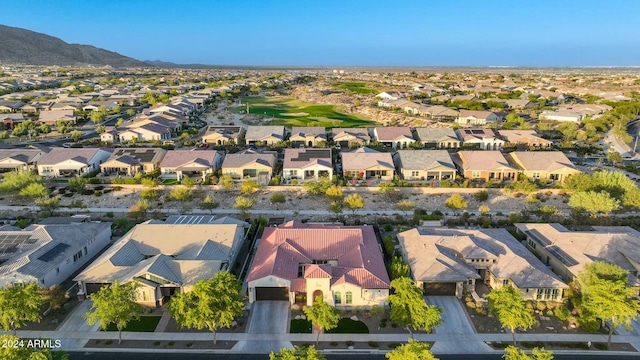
54,252
477,131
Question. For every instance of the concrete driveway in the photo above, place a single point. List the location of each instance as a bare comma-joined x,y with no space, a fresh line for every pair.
76,322
267,317
454,318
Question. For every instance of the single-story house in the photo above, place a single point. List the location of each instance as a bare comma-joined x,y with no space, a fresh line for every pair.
250,164
267,135
365,163
50,117
177,164
69,162
350,137
437,138
129,162
307,135
49,254
165,258
525,138
440,113
11,105
307,164
569,116
480,138
397,137
454,261
298,262
20,159
224,135
476,117
485,165
425,165
566,252
543,166
10,120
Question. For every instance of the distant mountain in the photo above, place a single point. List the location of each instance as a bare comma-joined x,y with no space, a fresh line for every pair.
28,47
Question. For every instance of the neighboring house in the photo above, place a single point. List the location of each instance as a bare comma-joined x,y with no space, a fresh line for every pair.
50,117
569,116
543,166
519,104
525,138
480,138
307,164
250,164
20,159
49,254
224,135
440,113
69,162
485,165
64,107
11,105
307,135
143,130
95,105
389,95
470,97
455,261
165,257
566,252
437,138
424,165
267,135
476,117
177,164
35,107
10,120
396,137
365,163
350,137
129,162
298,262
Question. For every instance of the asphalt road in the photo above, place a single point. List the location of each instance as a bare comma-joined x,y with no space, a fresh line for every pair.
192,356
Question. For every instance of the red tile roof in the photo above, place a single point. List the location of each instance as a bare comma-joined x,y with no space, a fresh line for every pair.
355,249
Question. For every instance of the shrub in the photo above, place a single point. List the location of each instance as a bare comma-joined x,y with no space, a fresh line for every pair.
97,193
393,345
348,343
149,194
481,195
373,344
181,194
109,214
333,343
601,346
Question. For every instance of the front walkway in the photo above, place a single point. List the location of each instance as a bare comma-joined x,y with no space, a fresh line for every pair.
267,317
76,322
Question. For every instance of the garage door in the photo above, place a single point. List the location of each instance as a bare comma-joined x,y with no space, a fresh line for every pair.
440,289
272,293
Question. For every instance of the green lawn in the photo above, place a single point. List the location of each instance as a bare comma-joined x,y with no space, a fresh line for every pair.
348,326
356,87
300,326
170,182
145,324
290,112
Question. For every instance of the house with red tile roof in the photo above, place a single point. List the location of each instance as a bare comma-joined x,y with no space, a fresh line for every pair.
298,262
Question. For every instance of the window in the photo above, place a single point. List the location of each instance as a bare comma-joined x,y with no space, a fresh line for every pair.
531,244
475,174
415,173
145,295
505,282
293,172
349,296
77,256
535,175
85,250
42,281
57,270
337,297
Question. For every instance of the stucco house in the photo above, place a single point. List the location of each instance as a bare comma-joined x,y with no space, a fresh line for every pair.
176,164
365,163
224,135
129,162
543,166
484,165
308,136
525,138
476,117
397,137
298,262
20,159
479,138
49,254
569,116
165,257
307,164
267,135
350,137
250,164
50,117
437,138
447,261
424,165
69,162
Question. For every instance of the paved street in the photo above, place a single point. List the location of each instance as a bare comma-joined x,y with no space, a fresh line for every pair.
267,317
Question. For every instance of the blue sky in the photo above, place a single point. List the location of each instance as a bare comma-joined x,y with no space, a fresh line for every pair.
346,32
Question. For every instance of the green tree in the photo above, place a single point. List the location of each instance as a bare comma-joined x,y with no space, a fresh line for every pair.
297,353
77,184
212,304
277,199
318,187
181,194
354,202
55,296
413,350
335,207
19,304
334,193
456,202
188,182
513,353
17,180
34,190
98,115
114,304
48,203
149,194
119,122
226,181
209,203
100,129
398,268
75,135
614,157
594,202
131,112
606,295
507,304
323,315
249,187
149,183
568,130
405,206
409,309
243,204
44,128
